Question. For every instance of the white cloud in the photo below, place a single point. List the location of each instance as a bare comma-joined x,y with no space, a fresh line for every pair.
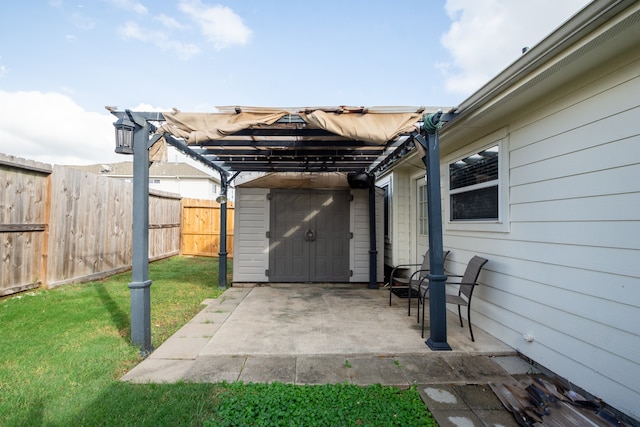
3,70
52,128
486,36
169,22
219,24
83,21
131,5
160,39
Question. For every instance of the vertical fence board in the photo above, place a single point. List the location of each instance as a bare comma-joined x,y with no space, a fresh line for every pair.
201,227
61,225
164,224
23,185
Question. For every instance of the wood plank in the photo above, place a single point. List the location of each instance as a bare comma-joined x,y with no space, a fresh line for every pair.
13,228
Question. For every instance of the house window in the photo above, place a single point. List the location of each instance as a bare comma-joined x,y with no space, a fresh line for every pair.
474,187
423,216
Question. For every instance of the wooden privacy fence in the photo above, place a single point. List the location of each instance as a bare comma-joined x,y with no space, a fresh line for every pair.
201,227
59,225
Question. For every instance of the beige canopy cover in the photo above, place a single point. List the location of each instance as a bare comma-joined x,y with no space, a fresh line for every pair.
373,126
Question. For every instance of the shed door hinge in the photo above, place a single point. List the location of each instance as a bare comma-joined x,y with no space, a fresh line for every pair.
351,197
266,272
350,273
268,234
268,196
350,235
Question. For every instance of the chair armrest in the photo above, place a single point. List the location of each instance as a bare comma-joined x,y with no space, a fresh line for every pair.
403,266
460,283
417,272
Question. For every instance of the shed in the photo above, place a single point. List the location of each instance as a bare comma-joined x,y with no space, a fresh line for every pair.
305,227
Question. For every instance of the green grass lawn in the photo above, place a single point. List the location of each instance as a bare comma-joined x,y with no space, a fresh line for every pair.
62,352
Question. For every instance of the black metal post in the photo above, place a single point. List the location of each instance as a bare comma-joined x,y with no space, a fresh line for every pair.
222,255
373,251
437,298
140,283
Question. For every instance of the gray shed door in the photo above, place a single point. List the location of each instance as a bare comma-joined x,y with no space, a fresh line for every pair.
309,239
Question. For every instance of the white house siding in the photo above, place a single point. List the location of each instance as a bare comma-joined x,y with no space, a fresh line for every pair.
567,271
195,188
402,213
251,245
359,245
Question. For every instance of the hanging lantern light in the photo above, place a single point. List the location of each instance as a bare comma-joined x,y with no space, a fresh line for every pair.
124,135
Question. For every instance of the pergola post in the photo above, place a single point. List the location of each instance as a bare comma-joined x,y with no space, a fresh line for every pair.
437,294
140,283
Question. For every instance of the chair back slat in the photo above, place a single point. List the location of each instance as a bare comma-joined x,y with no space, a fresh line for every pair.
470,276
426,264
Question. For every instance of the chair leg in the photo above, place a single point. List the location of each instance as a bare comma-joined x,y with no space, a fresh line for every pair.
460,316
423,304
409,302
469,321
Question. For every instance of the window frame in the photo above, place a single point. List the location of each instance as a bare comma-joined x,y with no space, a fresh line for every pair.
423,208
502,223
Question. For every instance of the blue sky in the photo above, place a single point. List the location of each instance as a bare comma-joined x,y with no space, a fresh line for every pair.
61,62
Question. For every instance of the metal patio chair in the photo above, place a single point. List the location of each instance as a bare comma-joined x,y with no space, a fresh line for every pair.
466,284
410,284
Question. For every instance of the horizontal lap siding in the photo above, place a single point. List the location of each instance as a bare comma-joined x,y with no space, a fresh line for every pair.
402,209
568,272
251,246
360,242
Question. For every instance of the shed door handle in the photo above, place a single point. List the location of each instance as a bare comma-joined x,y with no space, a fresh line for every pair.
310,235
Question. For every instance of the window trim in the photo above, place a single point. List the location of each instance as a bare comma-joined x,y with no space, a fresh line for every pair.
502,224
423,222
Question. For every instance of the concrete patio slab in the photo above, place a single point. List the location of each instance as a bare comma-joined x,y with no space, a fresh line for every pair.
331,334
269,369
159,371
375,370
327,369
420,369
215,369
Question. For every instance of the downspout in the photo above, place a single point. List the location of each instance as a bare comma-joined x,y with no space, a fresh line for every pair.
222,255
373,251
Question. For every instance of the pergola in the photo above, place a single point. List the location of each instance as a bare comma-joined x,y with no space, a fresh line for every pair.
362,142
